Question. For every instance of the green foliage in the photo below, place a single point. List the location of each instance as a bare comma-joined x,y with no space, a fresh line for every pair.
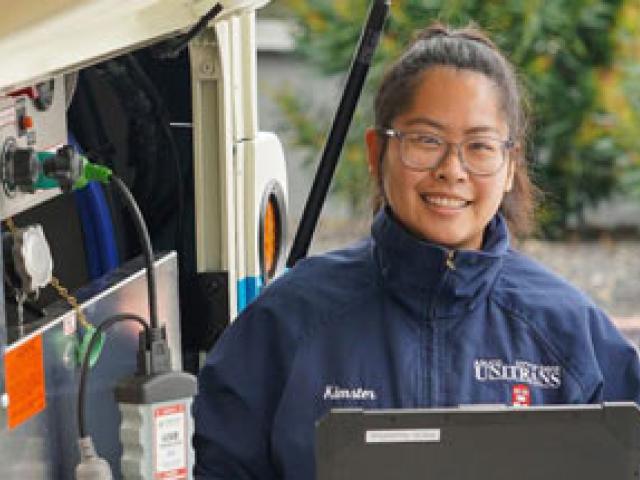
621,94
561,49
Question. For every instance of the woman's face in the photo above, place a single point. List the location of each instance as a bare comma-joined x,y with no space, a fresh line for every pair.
446,204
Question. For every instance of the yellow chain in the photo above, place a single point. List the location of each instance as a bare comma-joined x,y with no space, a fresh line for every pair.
71,300
55,283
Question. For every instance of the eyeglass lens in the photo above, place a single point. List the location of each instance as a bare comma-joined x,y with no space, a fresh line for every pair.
479,155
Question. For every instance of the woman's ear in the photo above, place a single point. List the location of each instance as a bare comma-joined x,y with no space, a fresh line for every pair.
374,146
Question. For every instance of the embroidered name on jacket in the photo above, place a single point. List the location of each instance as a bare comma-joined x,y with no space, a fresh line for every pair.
545,376
333,392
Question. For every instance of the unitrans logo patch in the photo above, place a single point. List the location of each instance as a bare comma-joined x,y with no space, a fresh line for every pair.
545,376
333,392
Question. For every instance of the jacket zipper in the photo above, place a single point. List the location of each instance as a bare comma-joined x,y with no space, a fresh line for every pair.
449,262
434,383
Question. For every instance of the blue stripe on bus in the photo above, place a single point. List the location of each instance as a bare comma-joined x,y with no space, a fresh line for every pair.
248,290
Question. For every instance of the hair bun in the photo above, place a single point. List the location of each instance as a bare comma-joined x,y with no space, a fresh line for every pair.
436,29
470,33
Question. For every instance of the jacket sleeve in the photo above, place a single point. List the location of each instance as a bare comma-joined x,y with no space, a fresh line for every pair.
239,391
618,361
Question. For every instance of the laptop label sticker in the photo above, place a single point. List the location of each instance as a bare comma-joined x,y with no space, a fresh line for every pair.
422,435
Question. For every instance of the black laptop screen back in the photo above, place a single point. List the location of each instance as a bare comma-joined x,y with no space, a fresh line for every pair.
590,442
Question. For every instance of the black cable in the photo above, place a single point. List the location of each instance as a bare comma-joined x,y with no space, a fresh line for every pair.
147,249
84,369
163,115
173,48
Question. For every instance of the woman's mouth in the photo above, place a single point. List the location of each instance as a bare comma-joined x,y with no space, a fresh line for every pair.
444,201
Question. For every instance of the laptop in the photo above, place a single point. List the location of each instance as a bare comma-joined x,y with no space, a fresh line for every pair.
581,442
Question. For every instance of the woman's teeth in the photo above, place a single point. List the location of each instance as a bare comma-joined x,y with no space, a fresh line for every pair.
445,201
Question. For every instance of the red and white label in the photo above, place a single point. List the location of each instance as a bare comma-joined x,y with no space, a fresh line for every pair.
521,396
69,324
170,439
8,116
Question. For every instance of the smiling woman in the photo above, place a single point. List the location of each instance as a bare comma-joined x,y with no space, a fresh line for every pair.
443,194
434,308
455,86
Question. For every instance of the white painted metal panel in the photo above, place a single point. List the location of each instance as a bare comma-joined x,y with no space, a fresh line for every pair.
39,39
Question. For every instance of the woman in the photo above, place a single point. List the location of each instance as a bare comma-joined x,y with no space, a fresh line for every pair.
435,308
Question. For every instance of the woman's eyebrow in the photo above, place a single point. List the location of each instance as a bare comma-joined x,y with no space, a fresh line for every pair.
481,129
429,122
424,121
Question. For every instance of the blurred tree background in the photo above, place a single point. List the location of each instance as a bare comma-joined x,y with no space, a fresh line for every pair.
578,59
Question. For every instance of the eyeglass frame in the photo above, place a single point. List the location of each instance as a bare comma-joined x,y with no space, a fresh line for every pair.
392,133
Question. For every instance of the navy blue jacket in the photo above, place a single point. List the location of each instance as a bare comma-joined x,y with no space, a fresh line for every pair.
397,322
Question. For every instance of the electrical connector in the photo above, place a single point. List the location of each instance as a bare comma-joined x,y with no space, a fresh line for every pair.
91,466
155,405
67,169
155,358
63,167
26,170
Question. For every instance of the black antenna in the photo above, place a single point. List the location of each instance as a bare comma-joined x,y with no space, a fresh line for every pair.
341,122
173,47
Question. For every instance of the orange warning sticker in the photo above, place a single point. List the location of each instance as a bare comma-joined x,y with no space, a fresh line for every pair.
24,380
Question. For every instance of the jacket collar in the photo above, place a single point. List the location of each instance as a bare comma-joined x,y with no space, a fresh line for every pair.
410,266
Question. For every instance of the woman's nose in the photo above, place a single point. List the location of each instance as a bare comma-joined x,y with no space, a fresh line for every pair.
450,167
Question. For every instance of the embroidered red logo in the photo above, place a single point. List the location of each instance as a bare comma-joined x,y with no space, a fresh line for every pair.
520,396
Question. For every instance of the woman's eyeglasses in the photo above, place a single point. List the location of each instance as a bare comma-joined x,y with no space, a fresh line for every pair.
479,155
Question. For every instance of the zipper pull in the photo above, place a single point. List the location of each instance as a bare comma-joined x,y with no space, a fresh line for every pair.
450,257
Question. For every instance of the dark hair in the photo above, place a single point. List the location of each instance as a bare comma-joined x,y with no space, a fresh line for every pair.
469,49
